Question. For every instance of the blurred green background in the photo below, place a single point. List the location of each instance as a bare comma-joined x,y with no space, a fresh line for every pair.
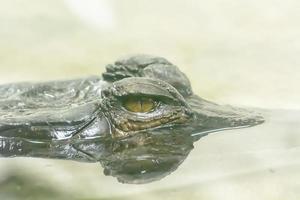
234,52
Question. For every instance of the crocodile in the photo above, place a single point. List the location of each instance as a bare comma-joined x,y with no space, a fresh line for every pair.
139,120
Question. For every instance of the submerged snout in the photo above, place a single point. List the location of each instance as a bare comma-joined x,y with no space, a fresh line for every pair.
211,117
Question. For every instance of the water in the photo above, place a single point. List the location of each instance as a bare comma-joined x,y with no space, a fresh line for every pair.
245,163
239,53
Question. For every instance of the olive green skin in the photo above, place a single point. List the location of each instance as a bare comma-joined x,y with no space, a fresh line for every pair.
85,120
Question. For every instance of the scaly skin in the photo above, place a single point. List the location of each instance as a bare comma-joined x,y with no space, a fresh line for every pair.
85,119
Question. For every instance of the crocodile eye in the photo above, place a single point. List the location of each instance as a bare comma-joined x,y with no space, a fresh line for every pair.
139,104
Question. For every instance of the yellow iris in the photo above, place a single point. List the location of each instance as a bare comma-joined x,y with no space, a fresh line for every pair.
141,105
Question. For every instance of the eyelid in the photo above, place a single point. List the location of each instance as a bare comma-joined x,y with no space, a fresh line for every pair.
141,87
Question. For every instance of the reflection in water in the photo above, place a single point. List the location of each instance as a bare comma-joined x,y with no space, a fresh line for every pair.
145,158
141,158
139,121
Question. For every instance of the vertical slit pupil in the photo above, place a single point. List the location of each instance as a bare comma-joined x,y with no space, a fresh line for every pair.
139,104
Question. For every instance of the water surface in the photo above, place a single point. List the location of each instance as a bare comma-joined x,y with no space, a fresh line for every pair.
260,161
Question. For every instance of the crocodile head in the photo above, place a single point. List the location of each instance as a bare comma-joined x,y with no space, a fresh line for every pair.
139,121
148,93
155,117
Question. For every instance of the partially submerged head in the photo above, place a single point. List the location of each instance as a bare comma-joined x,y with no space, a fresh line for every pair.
140,128
155,118
148,92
